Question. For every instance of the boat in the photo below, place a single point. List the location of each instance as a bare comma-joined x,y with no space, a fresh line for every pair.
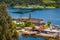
49,33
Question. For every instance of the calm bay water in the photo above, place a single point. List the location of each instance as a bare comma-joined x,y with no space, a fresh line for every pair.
29,38
52,15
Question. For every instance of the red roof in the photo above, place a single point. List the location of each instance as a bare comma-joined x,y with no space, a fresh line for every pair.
41,29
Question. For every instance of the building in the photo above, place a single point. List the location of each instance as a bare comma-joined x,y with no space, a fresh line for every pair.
37,22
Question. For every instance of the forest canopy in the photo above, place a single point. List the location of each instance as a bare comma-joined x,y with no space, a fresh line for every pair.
55,3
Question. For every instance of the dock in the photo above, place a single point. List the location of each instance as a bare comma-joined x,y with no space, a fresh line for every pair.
36,35
39,34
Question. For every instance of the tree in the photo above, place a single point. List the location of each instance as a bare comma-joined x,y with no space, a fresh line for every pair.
57,3
48,23
6,28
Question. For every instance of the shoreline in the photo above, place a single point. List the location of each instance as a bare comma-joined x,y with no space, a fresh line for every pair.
34,6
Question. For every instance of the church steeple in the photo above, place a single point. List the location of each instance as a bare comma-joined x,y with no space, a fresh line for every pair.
30,15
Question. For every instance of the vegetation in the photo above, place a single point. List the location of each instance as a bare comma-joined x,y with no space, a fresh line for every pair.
38,3
25,23
7,31
50,39
48,23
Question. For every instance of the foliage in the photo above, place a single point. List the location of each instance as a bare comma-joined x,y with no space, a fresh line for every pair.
48,23
55,3
50,39
26,23
45,26
6,27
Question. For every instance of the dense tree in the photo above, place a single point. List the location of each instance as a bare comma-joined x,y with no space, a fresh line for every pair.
6,28
48,23
57,3
33,2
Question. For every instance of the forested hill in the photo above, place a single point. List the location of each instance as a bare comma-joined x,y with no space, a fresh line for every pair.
54,3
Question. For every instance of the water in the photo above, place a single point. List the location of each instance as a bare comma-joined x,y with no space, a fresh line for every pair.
52,15
29,38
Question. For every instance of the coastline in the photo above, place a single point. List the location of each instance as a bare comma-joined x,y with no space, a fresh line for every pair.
34,7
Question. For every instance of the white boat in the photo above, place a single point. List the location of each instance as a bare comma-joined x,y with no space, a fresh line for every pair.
49,33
